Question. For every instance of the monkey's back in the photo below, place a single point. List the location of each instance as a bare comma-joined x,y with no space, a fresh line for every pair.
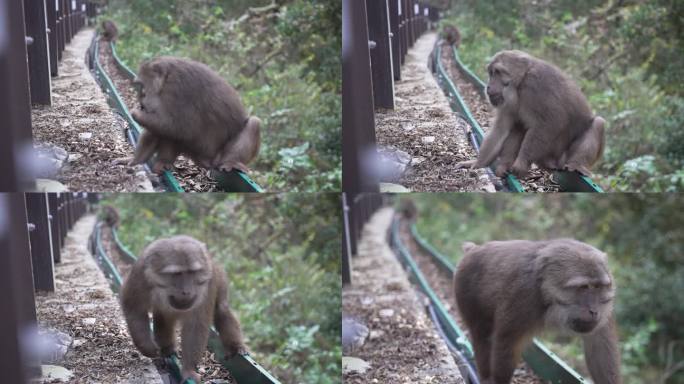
198,98
493,273
560,102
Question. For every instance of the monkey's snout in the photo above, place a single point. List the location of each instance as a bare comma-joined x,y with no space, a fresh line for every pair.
181,303
496,99
583,325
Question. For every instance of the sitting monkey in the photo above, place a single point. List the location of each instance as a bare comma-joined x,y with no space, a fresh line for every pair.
186,107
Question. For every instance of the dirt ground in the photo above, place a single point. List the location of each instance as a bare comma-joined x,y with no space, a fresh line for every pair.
424,126
402,346
209,368
80,122
442,284
84,307
537,180
191,177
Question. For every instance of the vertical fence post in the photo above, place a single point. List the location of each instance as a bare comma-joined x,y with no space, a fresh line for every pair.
53,206
358,120
381,54
395,37
41,242
38,57
17,303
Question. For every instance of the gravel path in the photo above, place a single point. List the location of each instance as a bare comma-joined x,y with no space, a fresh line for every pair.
84,307
424,126
80,122
402,345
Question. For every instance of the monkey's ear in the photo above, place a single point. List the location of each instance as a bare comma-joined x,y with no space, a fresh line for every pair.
468,246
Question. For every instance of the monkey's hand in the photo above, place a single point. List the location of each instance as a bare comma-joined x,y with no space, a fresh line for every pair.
147,349
501,170
520,169
192,375
234,349
465,164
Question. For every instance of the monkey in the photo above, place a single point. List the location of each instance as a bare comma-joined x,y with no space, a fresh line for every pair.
408,209
109,30
452,35
550,117
507,291
176,280
188,108
110,216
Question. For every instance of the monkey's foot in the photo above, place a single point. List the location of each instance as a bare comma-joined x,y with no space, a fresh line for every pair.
581,169
160,166
228,166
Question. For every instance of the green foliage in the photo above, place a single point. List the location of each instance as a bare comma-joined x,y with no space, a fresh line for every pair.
642,234
281,255
284,61
625,56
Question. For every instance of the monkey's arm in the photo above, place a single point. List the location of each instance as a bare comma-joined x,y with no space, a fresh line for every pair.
147,145
135,307
602,354
225,321
494,140
194,336
509,151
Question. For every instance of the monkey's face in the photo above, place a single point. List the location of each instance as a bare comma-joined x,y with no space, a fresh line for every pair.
180,274
590,301
506,70
498,80
578,288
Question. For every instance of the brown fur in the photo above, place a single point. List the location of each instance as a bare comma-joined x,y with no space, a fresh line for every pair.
110,215
452,35
176,280
541,112
188,108
109,30
506,291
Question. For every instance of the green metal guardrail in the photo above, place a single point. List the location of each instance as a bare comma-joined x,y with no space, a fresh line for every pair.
541,360
243,368
233,181
568,181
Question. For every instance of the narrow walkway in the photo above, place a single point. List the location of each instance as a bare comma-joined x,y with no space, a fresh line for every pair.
81,123
424,126
84,307
402,346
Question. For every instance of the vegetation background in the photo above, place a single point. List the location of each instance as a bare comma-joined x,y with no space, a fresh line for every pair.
281,253
642,234
283,56
626,55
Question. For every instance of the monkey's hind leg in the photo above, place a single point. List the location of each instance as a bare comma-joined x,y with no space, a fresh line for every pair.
587,149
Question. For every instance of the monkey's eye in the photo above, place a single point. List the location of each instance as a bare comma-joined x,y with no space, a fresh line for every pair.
505,83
